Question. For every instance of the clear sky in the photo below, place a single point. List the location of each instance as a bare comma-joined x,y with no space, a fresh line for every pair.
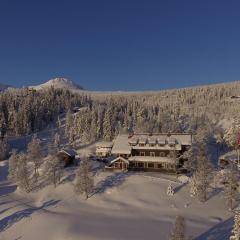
120,45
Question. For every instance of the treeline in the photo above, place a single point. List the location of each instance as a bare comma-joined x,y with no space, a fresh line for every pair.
25,111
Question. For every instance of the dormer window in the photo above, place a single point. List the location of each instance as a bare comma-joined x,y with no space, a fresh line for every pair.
161,142
142,142
171,142
152,142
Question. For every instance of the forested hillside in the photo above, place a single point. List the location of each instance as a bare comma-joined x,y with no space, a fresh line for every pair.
24,111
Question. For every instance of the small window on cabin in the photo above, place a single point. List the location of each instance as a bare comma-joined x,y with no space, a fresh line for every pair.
151,165
142,153
152,144
141,144
152,154
160,165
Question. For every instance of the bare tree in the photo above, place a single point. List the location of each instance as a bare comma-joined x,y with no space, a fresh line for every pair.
84,180
35,154
179,229
53,169
12,166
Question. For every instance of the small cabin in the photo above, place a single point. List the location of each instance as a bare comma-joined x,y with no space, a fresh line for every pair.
67,156
229,158
103,149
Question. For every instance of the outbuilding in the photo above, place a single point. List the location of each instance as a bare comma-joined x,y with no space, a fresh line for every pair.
67,156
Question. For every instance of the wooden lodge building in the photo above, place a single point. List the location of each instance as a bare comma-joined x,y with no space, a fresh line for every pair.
155,152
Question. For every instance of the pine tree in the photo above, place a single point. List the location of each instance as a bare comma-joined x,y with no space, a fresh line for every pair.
202,176
179,229
57,141
84,181
236,227
108,125
34,154
231,188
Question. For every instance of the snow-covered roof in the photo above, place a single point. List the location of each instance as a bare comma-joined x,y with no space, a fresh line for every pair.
172,141
229,156
151,159
152,140
120,145
104,144
119,158
69,152
123,144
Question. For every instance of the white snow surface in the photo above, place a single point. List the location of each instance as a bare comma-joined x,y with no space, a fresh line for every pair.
125,206
59,83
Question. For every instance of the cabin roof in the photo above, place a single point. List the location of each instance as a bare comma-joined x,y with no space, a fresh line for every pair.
229,156
122,143
104,144
69,152
151,159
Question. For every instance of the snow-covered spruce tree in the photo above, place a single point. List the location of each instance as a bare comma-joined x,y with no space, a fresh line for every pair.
53,169
202,175
84,181
193,186
4,149
34,154
232,134
69,125
57,141
179,229
108,125
170,190
236,226
231,188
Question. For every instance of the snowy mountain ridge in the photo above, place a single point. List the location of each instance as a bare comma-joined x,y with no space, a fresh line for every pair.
59,83
4,87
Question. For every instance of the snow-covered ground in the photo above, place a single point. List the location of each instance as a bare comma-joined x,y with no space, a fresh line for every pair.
125,206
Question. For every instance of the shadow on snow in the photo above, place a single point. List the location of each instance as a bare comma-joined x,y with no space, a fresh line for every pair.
221,231
111,181
8,221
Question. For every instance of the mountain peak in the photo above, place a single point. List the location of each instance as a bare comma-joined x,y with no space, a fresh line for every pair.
62,83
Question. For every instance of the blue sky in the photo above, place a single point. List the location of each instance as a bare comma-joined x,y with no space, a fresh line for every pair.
120,45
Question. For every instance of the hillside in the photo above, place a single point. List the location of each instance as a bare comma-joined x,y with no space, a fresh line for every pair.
4,87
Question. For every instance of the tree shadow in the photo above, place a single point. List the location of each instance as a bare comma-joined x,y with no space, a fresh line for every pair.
214,193
178,188
221,231
5,190
8,221
114,180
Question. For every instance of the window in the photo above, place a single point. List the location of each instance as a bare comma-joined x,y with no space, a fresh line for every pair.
151,165
159,165
142,153
152,154
152,144
141,145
